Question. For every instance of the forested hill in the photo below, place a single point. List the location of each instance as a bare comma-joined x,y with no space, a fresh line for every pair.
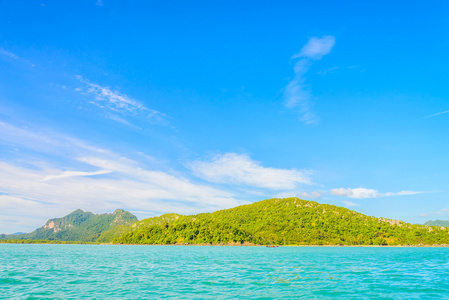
444,223
289,221
82,226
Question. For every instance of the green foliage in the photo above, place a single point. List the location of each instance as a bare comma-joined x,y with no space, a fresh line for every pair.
192,232
81,226
289,221
23,241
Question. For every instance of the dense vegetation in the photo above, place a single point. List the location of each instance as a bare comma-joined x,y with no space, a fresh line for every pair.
289,221
81,226
21,241
444,223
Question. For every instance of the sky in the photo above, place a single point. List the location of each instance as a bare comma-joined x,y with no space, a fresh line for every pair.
195,106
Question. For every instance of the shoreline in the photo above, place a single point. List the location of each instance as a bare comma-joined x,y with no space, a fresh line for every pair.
280,246
219,245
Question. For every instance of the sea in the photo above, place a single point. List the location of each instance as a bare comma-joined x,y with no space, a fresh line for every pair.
49,271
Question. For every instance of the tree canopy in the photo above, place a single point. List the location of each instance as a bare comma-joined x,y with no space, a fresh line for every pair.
289,221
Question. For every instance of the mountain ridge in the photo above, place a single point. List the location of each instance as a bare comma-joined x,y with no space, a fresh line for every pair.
81,226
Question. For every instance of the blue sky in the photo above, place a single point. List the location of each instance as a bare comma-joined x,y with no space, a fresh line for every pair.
196,106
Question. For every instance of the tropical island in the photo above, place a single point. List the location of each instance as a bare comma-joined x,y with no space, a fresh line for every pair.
288,221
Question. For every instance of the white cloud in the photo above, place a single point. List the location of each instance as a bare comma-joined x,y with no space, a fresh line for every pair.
363,193
59,174
124,186
350,204
239,169
7,53
116,103
296,94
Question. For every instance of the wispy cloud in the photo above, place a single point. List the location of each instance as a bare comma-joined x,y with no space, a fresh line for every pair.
7,53
314,195
53,174
443,211
301,195
328,71
440,113
240,169
332,70
316,48
363,193
349,203
67,174
113,102
296,94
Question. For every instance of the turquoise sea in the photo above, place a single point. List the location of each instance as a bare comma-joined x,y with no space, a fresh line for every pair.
202,272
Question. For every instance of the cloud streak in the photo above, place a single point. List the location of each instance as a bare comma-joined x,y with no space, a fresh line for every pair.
440,113
67,174
240,169
296,94
113,102
443,211
7,53
363,193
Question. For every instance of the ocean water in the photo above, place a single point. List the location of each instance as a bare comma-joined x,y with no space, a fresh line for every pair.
202,272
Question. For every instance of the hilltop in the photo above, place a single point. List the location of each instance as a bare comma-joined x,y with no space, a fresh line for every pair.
81,226
289,221
444,223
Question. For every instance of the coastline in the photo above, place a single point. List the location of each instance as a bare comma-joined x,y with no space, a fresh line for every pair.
215,245
280,246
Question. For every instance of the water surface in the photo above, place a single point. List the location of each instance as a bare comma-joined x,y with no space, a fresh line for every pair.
201,272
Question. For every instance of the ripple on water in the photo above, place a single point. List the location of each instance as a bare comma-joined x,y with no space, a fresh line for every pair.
120,272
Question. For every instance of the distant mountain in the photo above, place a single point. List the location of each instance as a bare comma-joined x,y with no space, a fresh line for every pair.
289,221
82,226
444,223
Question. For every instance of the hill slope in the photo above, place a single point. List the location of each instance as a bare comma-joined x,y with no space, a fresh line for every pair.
289,221
82,226
444,223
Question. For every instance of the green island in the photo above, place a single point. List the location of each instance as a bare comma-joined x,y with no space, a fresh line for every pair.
288,221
